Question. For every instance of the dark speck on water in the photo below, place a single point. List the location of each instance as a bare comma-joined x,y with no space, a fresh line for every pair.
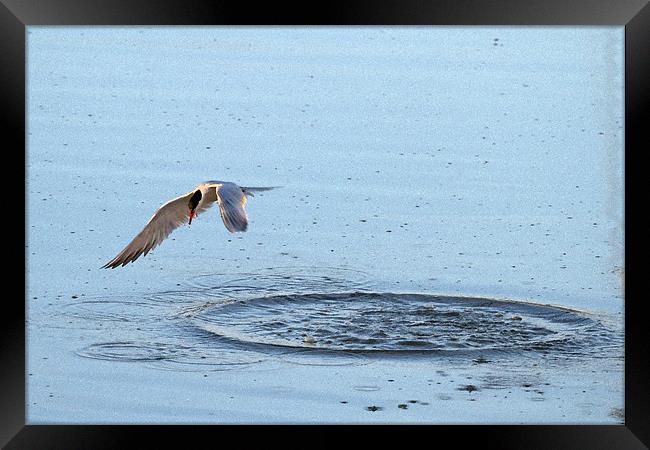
468,388
618,413
374,408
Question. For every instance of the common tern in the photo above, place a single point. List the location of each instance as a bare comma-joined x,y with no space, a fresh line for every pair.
230,197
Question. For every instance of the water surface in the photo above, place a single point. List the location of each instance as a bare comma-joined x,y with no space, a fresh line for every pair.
449,231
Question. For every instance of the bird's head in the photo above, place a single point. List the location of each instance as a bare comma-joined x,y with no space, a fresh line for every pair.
193,203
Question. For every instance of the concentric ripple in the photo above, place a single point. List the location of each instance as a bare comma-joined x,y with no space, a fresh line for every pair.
172,355
384,322
322,316
277,280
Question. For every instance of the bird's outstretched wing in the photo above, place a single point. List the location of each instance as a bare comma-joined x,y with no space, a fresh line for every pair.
166,219
232,201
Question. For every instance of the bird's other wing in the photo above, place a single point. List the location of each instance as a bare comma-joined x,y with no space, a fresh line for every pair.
250,190
166,219
232,201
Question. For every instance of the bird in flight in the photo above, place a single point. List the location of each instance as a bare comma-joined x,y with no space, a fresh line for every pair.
230,197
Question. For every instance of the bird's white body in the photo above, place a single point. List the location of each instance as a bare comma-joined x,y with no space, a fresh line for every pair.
230,197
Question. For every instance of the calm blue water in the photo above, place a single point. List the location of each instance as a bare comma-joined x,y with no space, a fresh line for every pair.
462,161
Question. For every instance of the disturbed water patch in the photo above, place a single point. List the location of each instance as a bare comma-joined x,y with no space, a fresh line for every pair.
322,316
398,323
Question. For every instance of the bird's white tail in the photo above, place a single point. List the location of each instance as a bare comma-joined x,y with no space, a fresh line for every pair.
250,190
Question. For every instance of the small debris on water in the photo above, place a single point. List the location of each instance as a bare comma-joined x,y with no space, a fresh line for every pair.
468,388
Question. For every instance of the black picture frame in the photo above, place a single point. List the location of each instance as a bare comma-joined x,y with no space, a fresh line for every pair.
634,15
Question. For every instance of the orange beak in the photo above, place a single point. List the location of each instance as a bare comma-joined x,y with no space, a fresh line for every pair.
191,216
